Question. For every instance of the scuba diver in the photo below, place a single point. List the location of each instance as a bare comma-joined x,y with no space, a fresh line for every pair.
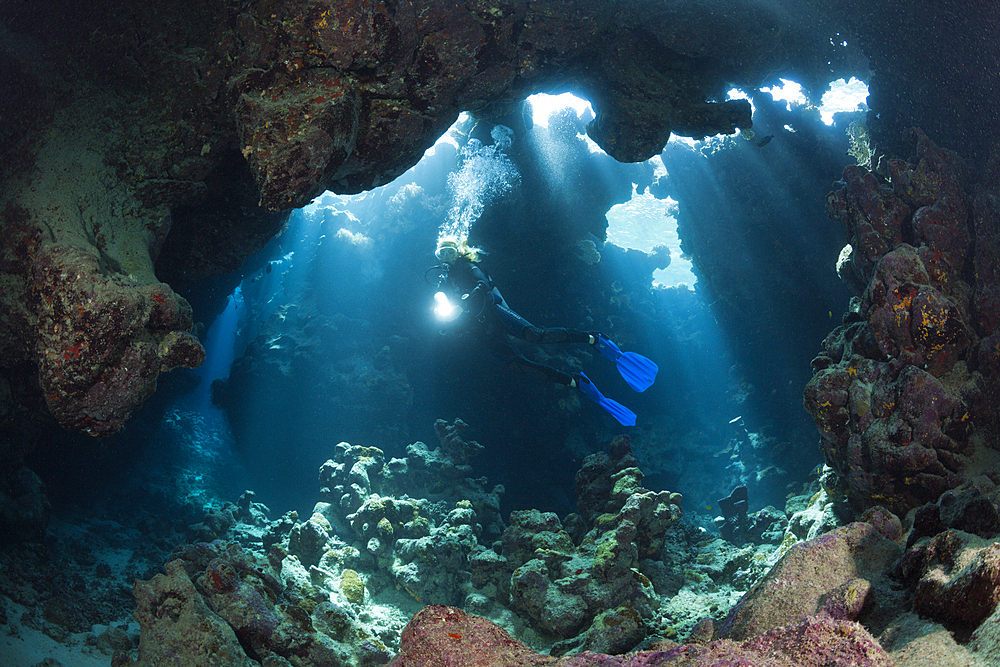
493,322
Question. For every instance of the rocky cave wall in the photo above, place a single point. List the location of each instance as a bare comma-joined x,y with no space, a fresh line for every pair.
905,391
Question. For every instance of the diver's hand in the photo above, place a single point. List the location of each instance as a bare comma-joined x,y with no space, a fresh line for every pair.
473,300
476,301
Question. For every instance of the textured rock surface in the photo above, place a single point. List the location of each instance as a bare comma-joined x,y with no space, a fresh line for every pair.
221,605
913,641
177,622
439,636
410,523
85,306
352,94
955,578
592,594
903,393
833,573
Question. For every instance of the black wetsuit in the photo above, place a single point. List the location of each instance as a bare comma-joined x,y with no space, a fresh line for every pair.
492,321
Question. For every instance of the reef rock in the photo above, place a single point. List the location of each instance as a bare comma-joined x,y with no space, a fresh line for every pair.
101,329
900,392
832,574
177,622
593,591
955,578
439,636
221,605
414,522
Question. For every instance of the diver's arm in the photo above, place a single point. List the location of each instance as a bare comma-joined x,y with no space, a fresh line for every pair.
483,281
475,288
465,276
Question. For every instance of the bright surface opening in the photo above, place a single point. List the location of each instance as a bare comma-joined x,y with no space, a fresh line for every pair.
789,91
645,222
543,106
843,96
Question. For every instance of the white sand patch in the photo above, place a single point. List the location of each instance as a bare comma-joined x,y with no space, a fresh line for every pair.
23,646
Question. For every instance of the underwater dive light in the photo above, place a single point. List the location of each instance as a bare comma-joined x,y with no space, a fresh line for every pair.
445,310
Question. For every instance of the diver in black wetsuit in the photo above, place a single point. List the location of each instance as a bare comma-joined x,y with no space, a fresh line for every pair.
483,303
495,322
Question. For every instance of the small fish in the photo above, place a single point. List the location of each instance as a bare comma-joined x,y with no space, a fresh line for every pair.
765,141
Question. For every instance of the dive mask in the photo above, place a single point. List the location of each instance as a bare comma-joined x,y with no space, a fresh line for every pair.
447,253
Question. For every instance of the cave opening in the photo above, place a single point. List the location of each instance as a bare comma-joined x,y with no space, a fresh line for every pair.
336,305
327,334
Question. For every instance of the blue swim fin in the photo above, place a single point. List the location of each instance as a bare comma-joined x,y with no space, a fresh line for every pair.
624,416
637,370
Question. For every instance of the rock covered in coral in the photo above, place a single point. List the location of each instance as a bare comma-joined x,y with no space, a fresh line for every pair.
357,108
412,522
309,540
456,448
359,475
898,394
855,573
967,510
435,567
178,627
955,578
884,521
806,611
103,337
82,305
593,591
821,641
439,636
221,605
594,481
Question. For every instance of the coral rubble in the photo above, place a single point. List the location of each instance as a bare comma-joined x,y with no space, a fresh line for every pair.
619,584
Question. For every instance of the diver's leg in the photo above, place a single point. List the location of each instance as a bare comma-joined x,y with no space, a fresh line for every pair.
539,371
512,322
560,335
497,342
525,330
